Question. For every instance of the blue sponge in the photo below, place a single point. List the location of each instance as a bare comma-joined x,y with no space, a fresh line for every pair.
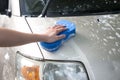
71,29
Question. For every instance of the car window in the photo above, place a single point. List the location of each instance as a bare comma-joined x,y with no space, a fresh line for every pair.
3,6
31,7
69,7
81,7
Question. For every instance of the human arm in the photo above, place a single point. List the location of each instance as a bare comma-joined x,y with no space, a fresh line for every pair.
10,38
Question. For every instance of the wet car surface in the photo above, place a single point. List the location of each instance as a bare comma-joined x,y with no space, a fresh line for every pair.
96,44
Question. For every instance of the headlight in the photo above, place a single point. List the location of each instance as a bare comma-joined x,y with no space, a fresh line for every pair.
30,69
64,71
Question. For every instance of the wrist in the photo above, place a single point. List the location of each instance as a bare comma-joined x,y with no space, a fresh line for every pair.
40,37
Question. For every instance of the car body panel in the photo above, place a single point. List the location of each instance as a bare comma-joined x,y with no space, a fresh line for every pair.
8,54
14,7
31,49
96,44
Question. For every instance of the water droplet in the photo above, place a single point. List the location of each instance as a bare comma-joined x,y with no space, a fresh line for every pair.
105,40
106,2
110,52
117,43
112,28
107,24
111,37
104,44
7,57
105,28
117,34
118,28
115,1
114,51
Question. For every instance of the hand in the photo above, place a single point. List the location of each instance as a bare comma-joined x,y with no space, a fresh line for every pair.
51,33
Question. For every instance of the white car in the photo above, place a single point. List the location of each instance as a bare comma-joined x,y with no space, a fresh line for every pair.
93,54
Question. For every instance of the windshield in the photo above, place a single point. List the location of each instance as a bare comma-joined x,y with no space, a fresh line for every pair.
81,7
69,7
32,7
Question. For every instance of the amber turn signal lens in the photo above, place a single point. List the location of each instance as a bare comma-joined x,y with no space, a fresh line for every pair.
30,73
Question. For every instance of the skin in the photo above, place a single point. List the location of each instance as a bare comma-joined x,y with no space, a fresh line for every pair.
10,38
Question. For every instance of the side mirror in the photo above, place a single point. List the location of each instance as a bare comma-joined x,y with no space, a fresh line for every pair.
8,12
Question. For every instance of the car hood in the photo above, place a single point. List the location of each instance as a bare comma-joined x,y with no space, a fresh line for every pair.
96,43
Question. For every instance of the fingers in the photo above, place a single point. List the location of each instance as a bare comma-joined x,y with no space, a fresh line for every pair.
54,31
59,28
60,37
